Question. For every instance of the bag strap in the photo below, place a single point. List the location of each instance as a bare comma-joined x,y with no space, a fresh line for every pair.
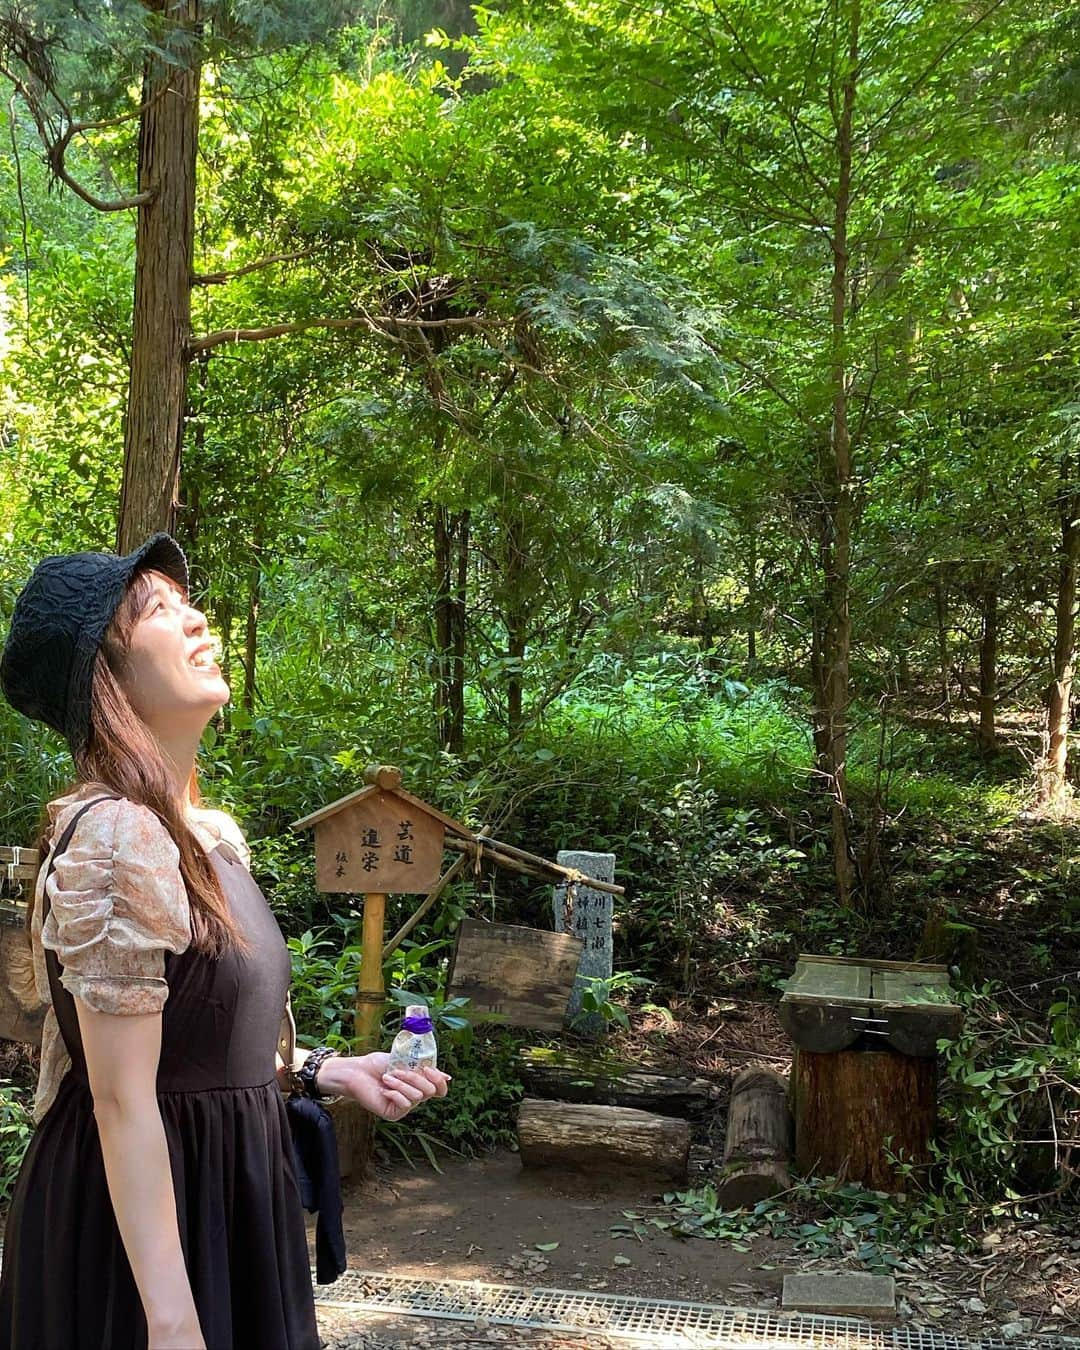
63,1003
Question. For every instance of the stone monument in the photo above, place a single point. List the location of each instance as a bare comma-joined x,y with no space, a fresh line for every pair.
590,920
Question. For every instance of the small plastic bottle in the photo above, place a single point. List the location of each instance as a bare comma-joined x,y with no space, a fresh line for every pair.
414,1046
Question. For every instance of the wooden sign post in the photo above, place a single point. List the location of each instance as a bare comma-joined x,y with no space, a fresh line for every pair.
374,842
382,840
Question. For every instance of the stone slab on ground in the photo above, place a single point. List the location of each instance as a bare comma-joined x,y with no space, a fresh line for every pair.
849,1295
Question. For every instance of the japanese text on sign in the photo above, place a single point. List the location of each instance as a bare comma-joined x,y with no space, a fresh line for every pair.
372,845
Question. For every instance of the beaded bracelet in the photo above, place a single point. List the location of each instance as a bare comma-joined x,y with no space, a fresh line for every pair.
309,1072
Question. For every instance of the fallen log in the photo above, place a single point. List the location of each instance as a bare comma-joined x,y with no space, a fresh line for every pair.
577,1136
757,1147
570,1076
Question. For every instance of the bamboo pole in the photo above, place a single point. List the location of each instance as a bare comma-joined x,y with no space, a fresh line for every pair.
454,870
518,860
371,989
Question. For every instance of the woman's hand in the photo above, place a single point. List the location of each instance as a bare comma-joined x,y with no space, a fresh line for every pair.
389,1095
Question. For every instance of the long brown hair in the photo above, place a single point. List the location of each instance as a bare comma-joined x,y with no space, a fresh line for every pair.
121,754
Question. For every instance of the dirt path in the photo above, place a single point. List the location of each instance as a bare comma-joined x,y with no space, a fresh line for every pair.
483,1220
486,1218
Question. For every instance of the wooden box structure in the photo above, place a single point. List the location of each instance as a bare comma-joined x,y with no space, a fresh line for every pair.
18,872
522,975
865,1065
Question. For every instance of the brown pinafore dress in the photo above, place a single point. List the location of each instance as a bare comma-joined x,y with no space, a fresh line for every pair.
66,1283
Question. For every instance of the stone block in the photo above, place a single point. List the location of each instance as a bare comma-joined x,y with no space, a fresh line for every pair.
847,1295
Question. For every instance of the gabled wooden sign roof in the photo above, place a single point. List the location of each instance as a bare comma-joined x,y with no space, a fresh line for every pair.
385,781
453,826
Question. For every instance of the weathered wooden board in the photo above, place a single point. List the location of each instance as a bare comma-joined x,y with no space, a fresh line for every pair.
909,986
18,869
523,975
13,853
872,962
380,843
831,980
16,1022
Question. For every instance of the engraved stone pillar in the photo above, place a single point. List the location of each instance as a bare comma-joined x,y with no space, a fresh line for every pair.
591,922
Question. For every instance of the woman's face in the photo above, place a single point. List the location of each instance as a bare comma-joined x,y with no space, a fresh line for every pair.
169,675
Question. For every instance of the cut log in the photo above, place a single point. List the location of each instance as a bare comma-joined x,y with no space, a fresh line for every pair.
847,1104
577,1136
757,1148
563,1075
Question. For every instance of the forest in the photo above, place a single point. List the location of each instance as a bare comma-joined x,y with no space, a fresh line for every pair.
654,429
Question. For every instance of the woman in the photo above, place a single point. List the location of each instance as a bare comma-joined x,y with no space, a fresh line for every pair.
157,1206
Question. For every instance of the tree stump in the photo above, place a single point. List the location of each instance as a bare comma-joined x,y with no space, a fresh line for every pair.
846,1104
757,1147
576,1136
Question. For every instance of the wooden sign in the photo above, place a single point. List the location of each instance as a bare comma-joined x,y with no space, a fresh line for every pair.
524,975
379,839
379,843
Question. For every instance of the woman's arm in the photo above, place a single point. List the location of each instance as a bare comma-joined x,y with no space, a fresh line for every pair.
122,1056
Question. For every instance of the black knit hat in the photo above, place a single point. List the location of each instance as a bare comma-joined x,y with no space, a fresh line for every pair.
57,626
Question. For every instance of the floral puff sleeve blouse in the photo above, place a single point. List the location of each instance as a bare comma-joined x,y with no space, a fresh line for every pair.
117,904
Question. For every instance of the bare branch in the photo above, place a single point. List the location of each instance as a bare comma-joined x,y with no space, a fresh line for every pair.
56,164
219,278
56,146
383,325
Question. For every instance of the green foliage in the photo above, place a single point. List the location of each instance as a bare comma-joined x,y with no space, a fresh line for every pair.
1009,1111
599,996
821,1216
579,263
16,1127
479,1113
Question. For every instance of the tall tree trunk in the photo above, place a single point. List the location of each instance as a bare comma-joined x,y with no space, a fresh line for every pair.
251,629
516,619
941,612
751,605
442,551
153,429
1052,778
457,647
903,669
223,620
837,476
451,547
986,735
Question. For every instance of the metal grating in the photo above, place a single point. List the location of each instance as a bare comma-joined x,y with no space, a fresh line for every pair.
662,1324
